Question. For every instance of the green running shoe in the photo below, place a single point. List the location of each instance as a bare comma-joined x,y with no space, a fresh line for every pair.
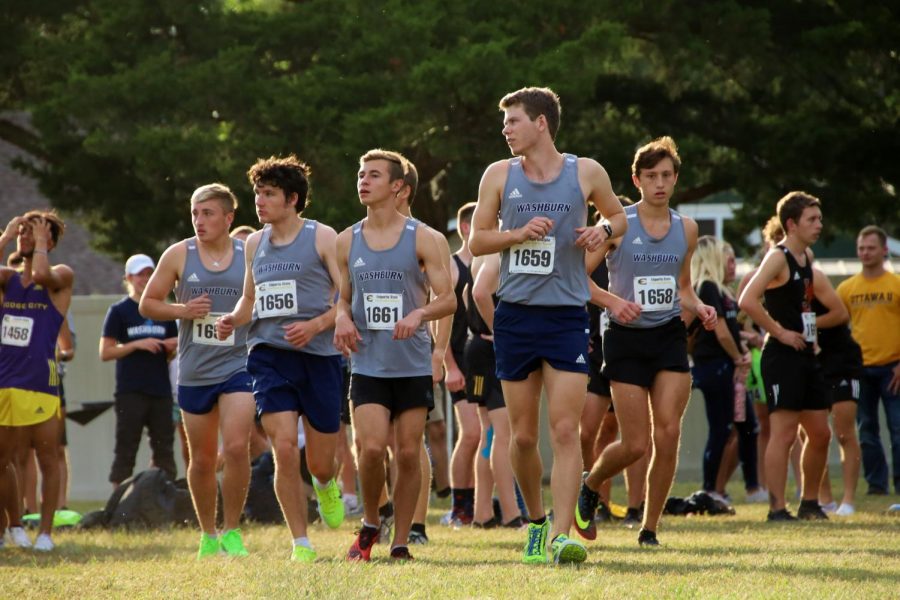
567,550
303,554
536,543
231,543
331,505
209,546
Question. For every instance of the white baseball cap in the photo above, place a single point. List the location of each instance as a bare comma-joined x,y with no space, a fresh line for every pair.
138,263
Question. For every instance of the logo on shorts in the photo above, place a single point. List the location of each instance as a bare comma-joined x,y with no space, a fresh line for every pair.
775,389
637,241
39,411
193,278
580,360
514,194
359,262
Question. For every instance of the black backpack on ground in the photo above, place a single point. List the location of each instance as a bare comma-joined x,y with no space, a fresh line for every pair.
148,500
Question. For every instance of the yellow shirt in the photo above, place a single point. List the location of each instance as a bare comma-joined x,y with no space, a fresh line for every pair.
874,306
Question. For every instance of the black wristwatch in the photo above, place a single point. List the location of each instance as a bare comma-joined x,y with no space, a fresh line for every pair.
608,229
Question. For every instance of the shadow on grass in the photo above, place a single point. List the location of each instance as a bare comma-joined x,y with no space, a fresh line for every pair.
77,552
843,573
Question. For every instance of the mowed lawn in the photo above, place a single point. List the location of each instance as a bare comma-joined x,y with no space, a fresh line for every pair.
716,557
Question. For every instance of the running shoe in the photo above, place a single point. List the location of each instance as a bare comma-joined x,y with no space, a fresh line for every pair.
401,553
352,505
633,517
536,543
585,510
231,543
829,507
491,523
567,550
780,515
845,510
361,549
417,537
303,554
647,538
604,515
518,522
757,497
209,546
43,543
810,510
19,537
386,513
331,505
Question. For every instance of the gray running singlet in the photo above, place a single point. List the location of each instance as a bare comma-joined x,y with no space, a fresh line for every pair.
547,272
645,270
387,285
292,284
202,358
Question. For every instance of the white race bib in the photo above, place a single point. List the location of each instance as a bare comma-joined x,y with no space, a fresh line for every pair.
810,332
17,330
383,310
276,298
655,292
534,256
205,332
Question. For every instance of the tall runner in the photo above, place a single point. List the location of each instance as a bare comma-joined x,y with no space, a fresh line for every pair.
646,358
385,261
795,386
214,389
541,326
288,299
35,301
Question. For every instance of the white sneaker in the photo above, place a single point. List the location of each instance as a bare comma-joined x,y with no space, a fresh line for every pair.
19,537
723,498
845,510
352,505
43,543
757,497
830,507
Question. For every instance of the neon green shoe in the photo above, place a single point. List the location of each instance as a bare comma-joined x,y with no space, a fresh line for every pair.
536,544
331,506
231,543
209,546
567,550
303,554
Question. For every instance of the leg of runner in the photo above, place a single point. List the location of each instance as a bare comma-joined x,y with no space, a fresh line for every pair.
409,427
281,427
501,467
484,478
236,418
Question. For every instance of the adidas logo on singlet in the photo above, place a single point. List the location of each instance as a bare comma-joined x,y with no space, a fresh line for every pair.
359,262
580,360
193,278
262,253
796,275
637,241
514,194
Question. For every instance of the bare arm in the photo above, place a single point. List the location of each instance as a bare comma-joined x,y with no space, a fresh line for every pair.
837,313
153,303
772,266
443,302
484,287
485,238
9,234
110,349
603,198
243,311
686,292
346,335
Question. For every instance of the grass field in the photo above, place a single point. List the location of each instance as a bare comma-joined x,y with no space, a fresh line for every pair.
710,557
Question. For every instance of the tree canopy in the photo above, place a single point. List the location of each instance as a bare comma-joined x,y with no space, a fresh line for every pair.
134,104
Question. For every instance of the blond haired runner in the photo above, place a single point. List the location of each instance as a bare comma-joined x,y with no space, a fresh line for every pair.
214,390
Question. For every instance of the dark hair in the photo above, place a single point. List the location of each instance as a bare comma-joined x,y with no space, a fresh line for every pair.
649,155
290,174
411,179
874,230
57,227
535,102
792,205
398,162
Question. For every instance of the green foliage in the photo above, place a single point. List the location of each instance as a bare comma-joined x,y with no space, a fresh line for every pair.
134,104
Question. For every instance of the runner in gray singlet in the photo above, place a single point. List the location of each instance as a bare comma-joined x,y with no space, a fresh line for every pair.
207,273
385,261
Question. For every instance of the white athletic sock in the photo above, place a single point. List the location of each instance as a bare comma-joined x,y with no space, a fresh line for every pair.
319,484
369,525
303,541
